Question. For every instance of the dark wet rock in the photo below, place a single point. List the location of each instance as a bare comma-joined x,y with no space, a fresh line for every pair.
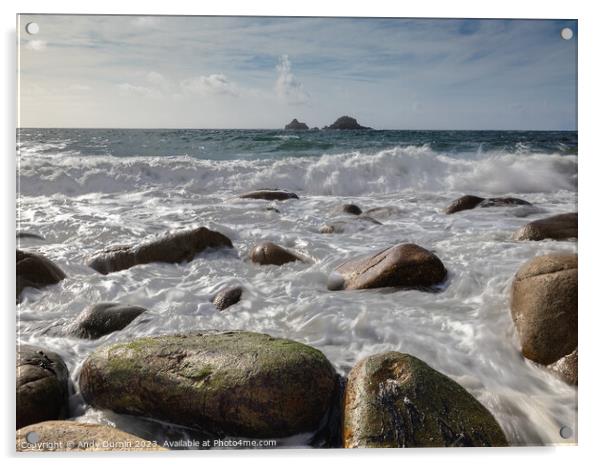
403,265
346,122
36,271
79,436
329,434
42,386
383,212
268,253
395,400
272,209
234,383
559,227
544,307
348,209
566,368
103,318
28,235
296,125
470,202
269,195
227,297
172,248
358,223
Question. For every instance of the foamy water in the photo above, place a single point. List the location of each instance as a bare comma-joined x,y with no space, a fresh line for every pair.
82,203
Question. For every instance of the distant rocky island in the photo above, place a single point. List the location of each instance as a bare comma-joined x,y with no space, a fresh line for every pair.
344,122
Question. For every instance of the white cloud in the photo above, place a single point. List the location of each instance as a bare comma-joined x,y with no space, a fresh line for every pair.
288,87
143,91
212,84
37,45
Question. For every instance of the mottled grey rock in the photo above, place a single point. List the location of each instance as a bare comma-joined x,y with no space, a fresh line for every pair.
103,318
227,297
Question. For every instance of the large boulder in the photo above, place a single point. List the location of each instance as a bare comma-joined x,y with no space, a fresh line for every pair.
231,383
36,271
42,386
544,307
470,202
269,195
174,247
346,122
101,319
78,436
559,227
268,253
296,125
396,400
227,297
403,265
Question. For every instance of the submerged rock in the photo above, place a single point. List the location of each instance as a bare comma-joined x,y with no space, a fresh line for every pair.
544,307
26,234
395,400
358,223
346,122
383,212
268,253
566,368
296,125
402,265
348,209
172,248
103,318
269,195
559,227
42,385
36,271
227,297
78,436
470,202
232,383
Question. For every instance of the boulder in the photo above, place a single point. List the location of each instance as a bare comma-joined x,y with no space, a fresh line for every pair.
544,307
78,436
348,209
566,368
296,125
559,227
231,383
42,385
173,247
403,265
28,235
36,271
470,202
383,212
103,318
227,297
395,400
346,122
268,253
361,222
269,195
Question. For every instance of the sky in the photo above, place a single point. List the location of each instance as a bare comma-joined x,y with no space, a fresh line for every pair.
261,72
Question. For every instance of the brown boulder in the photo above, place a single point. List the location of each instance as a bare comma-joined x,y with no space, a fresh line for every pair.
36,271
559,227
566,368
78,436
269,195
42,385
470,202
395,400
544,307
103,318
227,297
402,265
174,247
268,253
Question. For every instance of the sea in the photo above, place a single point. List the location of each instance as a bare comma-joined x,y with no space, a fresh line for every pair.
86,189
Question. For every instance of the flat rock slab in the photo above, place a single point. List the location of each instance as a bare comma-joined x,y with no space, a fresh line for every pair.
544,307
101,319
78,436
470,202
395,400
231,383
269,195
558,227
227,297
403,265
268,253
36,271
171,248
42,385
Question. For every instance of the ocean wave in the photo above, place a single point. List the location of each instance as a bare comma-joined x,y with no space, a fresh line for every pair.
354,173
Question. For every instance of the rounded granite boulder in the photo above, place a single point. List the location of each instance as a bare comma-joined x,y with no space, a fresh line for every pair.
544,307
227,297
395,400
269,195
230,383
558,227
101,319
36,271
268,253
468,202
